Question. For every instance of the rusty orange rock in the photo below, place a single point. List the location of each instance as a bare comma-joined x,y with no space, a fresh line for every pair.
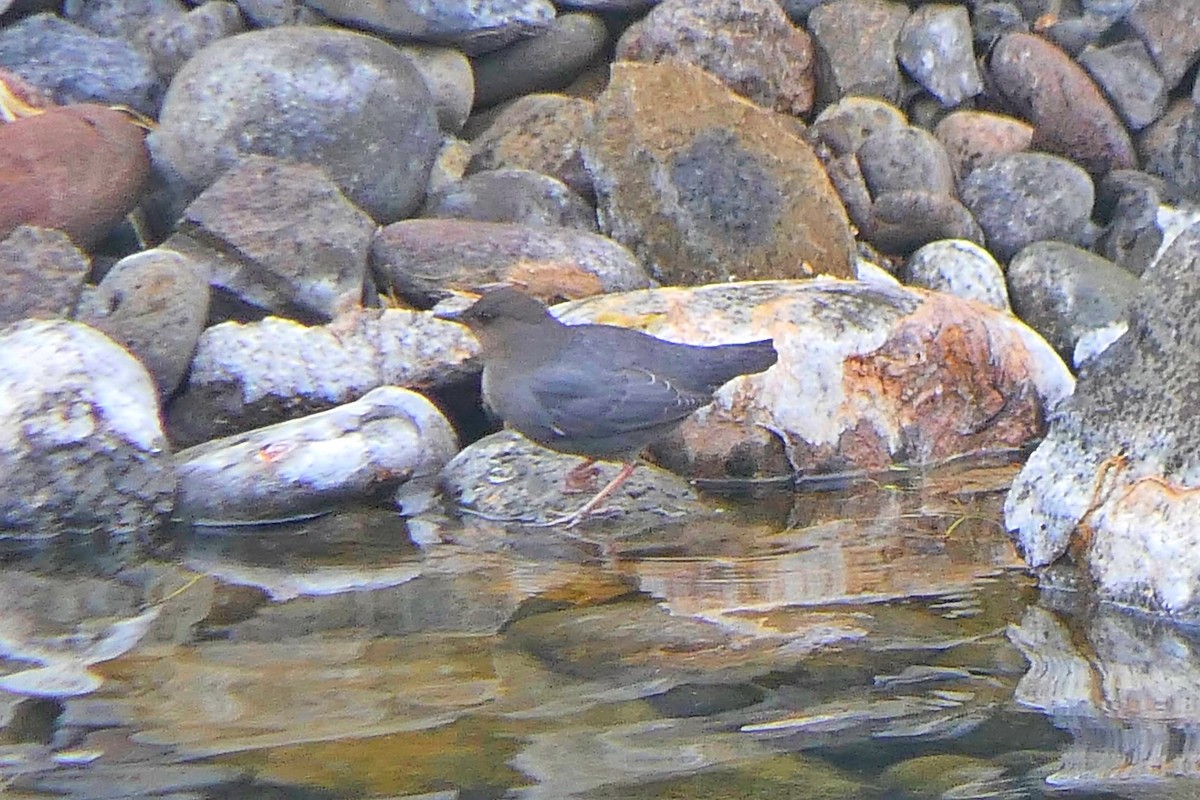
78,169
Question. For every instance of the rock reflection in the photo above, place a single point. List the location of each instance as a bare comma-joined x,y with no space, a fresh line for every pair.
1126,688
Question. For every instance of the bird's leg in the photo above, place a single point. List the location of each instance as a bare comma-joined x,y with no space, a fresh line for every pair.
576,517
581,478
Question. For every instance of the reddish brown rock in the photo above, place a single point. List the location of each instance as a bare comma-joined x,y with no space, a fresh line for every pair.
78,169
749,45
976,138
1070,115
705,187
421,260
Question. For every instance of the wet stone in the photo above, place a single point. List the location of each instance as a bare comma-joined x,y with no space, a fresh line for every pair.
903,221
905,159
1171,147
42,274
1128,76
751,47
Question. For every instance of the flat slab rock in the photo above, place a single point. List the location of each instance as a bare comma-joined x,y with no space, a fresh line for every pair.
246,376
308,466
868,375
1115,484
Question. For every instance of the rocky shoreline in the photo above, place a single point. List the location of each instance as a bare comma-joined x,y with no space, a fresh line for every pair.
219,295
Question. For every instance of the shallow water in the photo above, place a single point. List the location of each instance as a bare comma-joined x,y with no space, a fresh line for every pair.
878,641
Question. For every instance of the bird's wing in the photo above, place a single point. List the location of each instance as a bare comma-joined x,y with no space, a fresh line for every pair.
631,399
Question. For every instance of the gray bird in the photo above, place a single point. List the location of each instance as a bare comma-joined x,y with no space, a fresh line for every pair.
596,391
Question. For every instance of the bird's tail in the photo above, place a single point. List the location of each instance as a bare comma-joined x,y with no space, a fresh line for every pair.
740,359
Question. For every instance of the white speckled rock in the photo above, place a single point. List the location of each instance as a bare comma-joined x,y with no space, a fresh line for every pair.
960,268
81,443
246,376
1116,483
308,466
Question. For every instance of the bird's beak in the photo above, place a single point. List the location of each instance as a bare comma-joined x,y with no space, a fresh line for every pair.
450,315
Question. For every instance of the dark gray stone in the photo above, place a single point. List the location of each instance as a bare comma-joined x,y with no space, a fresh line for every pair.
545,63
993,20
903,221
856,42
1062,292
1074,34
513,195
75,65
125,19
1127,75
1171,148
173,41
1027,197
1168,27
1133,235
352,104
845,125
905,159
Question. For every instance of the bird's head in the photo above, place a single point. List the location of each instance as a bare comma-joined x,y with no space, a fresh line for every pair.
501,317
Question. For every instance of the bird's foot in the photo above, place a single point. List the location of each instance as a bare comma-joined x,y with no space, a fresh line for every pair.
569,521
582,478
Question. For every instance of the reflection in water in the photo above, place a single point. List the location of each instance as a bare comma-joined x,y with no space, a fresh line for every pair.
876,642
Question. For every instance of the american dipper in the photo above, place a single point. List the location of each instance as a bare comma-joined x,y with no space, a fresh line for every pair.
596,391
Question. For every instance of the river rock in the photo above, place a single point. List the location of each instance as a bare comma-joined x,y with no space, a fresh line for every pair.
279,237
749,45
1171,147
473,26
544,63
1127,75
451,81
79,169
42,274
856,46
1168,29
1026,197
905,159
173,41
961,268
902,221
868,375
247,376
424,260
512,195
539,132
705,187
1114,483
83,450
935,49
355,452
155,304
1069,114
977,138
121,18
1063,292
844,126
505,478
349,103
76,65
